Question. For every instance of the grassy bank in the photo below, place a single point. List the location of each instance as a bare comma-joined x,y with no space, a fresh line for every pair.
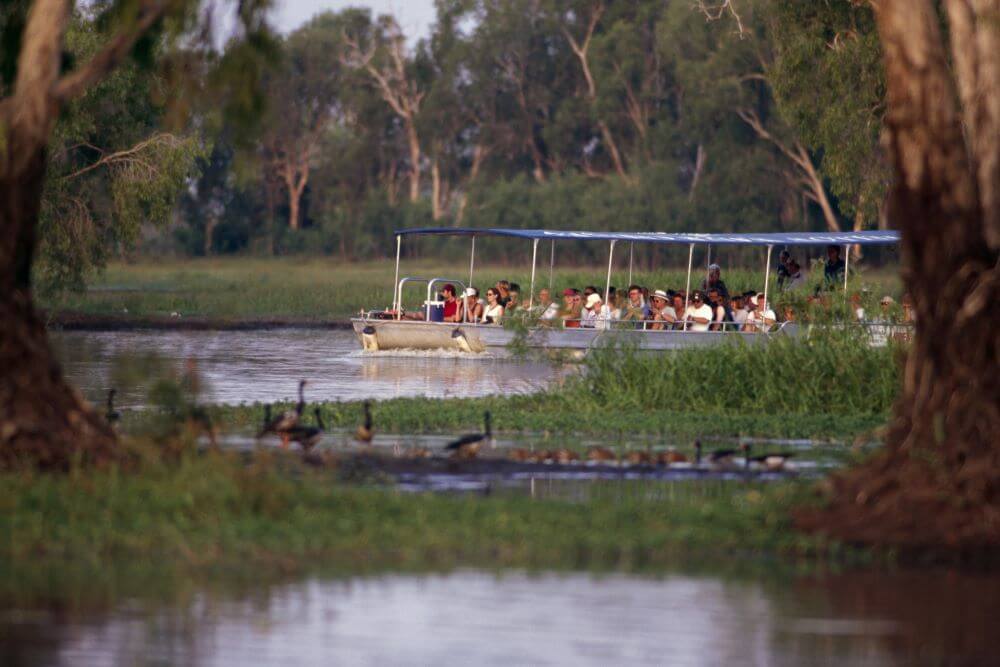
319,289
211,512
831,385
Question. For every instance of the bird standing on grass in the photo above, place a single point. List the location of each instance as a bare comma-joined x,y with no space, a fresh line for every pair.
111,415
366,431
468,445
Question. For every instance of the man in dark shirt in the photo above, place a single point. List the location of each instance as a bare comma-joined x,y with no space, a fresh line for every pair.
833,272
783,274
714,281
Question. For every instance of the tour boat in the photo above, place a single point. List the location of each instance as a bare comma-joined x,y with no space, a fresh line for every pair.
390,330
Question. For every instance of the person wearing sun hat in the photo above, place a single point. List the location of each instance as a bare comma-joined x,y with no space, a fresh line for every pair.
472,308
592,311
661,312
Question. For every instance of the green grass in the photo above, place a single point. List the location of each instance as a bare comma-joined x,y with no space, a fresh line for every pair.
323,289
829,386
213,512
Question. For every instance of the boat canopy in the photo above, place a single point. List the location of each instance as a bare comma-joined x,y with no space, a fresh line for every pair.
763,239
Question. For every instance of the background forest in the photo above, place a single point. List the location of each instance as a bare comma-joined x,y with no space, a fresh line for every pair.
574,114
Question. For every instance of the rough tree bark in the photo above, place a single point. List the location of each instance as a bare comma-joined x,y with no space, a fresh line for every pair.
43,421
937,484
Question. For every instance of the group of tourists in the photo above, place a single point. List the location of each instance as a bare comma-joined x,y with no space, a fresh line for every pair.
710,308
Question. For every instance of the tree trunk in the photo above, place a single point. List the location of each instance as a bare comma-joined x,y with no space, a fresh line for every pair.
414,142
43,421
437,211
937,484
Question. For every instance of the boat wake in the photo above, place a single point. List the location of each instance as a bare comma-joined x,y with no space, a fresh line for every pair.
424,354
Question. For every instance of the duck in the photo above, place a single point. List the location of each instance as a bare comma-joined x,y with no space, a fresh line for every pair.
670,457
599,454
289,418
417,453
366,431
718,457
564,455
111,415
473,441
307,436
519,454
639,457
540,456
773,462
199,422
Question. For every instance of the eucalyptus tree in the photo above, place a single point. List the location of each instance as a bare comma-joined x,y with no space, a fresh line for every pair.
42,419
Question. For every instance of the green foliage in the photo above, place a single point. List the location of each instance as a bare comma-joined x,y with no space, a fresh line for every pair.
212,512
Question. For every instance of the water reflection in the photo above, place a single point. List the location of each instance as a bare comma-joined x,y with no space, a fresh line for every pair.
266,365
475,617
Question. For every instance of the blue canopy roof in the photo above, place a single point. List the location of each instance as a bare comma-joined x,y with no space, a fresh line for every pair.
782,239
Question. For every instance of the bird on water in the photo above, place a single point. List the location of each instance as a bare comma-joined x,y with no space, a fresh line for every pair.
468,445
366,431
308,436
111,415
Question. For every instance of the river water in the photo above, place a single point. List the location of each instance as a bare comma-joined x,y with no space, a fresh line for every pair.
484,618
266,366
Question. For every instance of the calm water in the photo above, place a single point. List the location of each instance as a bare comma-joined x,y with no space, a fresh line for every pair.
480,618
262,366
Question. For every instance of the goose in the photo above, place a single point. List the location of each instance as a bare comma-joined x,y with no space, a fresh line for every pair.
366,431
198,421
716,456
111,415
471,442
288,418
308,436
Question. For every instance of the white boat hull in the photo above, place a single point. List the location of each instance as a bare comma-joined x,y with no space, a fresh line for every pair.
381,335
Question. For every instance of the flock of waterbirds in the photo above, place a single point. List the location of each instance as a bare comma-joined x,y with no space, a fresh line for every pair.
289,428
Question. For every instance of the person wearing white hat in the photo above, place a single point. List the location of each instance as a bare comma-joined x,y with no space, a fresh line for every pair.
472,308
591,318
661,312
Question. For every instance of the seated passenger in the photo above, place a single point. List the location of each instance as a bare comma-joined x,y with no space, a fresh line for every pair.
570,314
761,318
546,308
512,297
591,317
611,309
698,316
472,307
678,301
720,310
661,314
635,309
452,309
503,291
739,311
493,312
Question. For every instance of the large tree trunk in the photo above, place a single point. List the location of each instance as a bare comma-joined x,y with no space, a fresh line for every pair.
937,484
43,421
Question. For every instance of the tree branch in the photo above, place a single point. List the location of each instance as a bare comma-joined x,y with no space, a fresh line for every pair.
716,12
79,80
124,155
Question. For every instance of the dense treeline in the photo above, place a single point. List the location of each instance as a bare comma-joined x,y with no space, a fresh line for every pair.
542,113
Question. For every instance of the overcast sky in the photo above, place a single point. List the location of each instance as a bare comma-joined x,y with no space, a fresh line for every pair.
415,16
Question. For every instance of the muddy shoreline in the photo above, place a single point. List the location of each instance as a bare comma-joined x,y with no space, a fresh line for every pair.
75,321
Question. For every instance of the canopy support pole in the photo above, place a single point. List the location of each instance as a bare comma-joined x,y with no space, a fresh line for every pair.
607,284
631,248
552,262
847,263
534,257
687,290
397,297
708,263
767,278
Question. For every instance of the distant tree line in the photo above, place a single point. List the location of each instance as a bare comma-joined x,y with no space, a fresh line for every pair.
583,114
